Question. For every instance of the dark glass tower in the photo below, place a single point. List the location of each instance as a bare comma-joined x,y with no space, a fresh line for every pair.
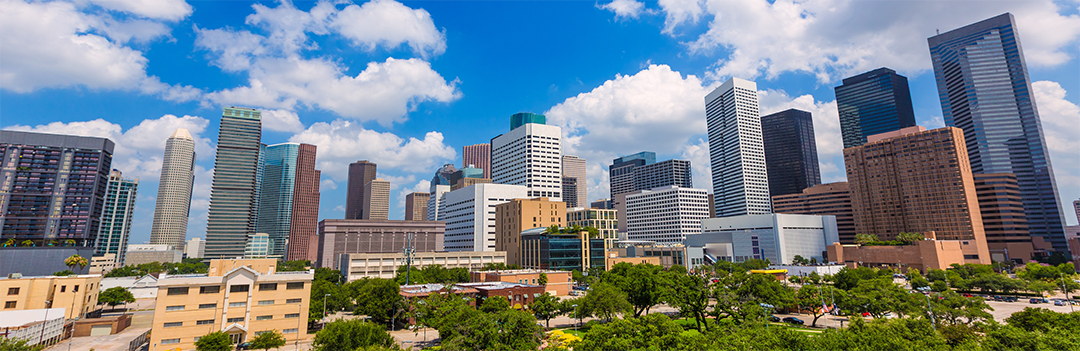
621,171
233,195
360,173
871,103
790,152
985,91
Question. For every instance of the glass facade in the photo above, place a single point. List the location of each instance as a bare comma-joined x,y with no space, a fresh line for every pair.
520,119
984,90
233,195
562,252
790,152
116,216
276,197
871,103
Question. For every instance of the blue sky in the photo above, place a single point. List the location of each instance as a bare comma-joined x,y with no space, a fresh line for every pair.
407,84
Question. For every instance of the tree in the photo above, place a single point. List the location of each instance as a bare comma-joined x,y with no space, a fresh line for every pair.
606,301
577,276
909,238
495,304
817,300
649,332
799,260
642,284
293,266
863,239
739,296
328,275
216,341
378,299
543,279
546,307
268,340
500,267
688,293
115,296
17,344
63,273
351,335
76,261
506,330
994,282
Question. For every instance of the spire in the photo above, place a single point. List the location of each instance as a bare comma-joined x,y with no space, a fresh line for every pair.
181,133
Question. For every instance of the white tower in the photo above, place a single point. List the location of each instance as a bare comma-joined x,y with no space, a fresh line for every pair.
736,151
530,155
174,191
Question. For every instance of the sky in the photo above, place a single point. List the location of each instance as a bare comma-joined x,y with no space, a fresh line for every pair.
407,84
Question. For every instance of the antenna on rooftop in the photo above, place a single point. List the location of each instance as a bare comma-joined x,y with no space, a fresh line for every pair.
408,252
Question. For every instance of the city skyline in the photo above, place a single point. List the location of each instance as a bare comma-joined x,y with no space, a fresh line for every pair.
439,125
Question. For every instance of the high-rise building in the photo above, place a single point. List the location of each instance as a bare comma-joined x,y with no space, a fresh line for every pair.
360,173
574,167
194,248
667,214
570,186
985,90
53,187
790,151
233,200
739,177
621,171
529,155
470,214
116,216
416,206
832,199
467,176
517,215
174,191
1076,206
479,156
377,200
915,180
640,171
1004,222
289,200
871,103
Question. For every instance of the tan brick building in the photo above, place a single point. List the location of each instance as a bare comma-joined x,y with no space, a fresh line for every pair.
77,294
558,284
517,215
1004,221
240,297
833,199
923,255
416,206
915,180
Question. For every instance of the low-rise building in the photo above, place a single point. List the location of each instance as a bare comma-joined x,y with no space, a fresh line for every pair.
561,251
922,255
146,253
38,327
241,297
102,264
517,215
558,283
352,236
356,266
604,220
666,254
77,293
613,259
832,199
774,237
520,295
194,248
144,287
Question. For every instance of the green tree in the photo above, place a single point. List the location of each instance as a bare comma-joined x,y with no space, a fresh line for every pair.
115,296
577,276
606,301
1040,287
799,260
863,239
216,341
1042,320
642,284
648,332
688,293
495,304
816,299
546,307
293,266
76,261
543,279
267,340
506,330
379,299
909,238
15,344
877,297
500,267
994,283
848,278
63,273
329,275
739,296
351,335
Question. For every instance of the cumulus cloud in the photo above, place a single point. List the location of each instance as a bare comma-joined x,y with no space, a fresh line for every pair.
1059,121
281,121
281,76
421,186
328,184
834,38
62,44
624,8
342,142
170,10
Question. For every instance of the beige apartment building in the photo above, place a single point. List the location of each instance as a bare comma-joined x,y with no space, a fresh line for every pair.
242,297
77,294
917,180
518,215
606,221
356,266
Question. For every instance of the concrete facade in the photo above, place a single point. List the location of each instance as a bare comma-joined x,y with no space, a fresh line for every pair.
923,255
832,199
774,237
529,156
37,327
356,266
666,214
174,191
470,214
559,283
416,206
377,200
736,150
518,215
77,293
139,254
349,236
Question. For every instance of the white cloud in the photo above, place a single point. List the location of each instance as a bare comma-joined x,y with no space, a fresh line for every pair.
56,47
390,24
339,208
827,135
397,181
328,184
170,10
1059,124
624,8
697,152
421,186
281,121
834,38
342,142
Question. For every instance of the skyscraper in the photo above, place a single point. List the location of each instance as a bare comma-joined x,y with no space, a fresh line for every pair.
53,187
440,185
360,173
289,200
529,155
621,171
377,204
871,103
116,216
174,191
1004,222
640,171
790,152
984,89
574,167
740,180
416,206
479,156
233,201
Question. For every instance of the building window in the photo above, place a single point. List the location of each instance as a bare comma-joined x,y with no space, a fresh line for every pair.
268,287
290,331
174,324
63,288
237,304
175,308
293,300
292,315
266,302
235,320
205,322
170,341
75,288
264,318
175,291
207,305
10,304
13,291
293,286
214,289
239,288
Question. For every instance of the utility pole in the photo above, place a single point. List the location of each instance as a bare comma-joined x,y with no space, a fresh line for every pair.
408,252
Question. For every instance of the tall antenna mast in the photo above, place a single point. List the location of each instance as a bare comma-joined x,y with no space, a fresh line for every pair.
408,252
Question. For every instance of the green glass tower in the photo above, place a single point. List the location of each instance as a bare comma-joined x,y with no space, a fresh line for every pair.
520,119
233,195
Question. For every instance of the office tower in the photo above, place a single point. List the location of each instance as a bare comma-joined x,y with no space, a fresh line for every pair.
233,201
739,176
640,171
985,90
194,248
416,206
53,187
479,156
116,216
517,215
377,202
915,180
871,103
790,152
621,171
666,214
664,173
1076,206
574,167
570,187
1004,223
604,204
289,200
360,173
529,155
470,214
440,185
348,236
832,199
174,191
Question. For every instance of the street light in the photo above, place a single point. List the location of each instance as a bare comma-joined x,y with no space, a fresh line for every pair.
324,307
926,290
299,313
577,314
768,312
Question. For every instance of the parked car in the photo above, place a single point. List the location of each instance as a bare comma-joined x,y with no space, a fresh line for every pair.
243,346
774,319
900,276
1011,299
793,320
1038,300
1060,303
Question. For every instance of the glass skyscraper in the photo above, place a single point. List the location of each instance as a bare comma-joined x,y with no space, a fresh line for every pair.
984,90
289,199
116,216
790,152
233,197
871,103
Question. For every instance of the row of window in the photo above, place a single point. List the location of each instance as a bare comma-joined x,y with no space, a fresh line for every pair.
239,288
229,320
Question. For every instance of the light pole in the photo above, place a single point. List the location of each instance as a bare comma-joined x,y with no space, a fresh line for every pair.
300,313
576,314
1066,292
768,312
926,290
42,337
324,307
